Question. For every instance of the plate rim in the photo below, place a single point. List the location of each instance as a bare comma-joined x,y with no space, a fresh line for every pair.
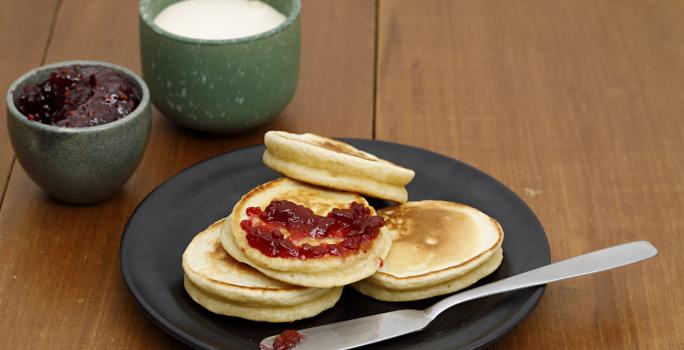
190,340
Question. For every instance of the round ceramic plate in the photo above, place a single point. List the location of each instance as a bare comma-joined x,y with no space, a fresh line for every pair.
165,222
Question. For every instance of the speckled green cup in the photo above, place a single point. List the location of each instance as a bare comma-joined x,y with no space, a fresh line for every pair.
79,165
221,85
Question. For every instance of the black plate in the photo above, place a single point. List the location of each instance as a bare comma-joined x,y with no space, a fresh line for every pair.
165,222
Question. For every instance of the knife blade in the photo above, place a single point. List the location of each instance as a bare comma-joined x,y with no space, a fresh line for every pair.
371,329
360,331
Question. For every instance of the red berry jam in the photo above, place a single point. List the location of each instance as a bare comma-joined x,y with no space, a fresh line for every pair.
287,340
79,96
352,228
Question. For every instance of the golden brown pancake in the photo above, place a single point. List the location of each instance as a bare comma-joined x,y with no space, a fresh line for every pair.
330,163
321,272
223,285
438,248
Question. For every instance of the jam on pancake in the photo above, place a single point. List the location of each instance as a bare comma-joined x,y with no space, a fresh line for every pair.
352,229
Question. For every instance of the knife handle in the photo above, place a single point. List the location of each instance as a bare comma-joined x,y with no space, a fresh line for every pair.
600,260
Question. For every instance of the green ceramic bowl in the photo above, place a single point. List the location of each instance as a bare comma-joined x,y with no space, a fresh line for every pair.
79,165
221,85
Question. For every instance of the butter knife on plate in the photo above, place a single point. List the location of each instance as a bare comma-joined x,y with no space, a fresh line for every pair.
371,329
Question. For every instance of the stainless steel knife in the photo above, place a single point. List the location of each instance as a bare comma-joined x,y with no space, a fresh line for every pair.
371,329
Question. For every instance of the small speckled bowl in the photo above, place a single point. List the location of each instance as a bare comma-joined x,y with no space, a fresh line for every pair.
221,85
79,165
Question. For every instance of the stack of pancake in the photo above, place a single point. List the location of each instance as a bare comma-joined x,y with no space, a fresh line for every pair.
290,245
225,286
439,247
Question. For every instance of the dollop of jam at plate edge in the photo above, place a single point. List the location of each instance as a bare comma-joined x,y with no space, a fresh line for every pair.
286,340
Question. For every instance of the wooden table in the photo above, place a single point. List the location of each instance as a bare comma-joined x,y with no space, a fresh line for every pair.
578,106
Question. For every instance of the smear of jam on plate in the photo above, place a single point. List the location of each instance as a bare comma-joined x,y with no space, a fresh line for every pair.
287,340
79,96
352,228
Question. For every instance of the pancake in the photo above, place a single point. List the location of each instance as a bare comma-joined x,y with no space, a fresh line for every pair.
262,313
446,287
223,285
439,247
320,272
320,279
329,163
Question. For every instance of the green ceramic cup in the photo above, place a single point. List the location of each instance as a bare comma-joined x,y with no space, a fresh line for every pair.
221,85
79,165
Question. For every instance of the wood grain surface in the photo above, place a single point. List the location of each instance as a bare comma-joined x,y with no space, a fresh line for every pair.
60,285
578,106
24,33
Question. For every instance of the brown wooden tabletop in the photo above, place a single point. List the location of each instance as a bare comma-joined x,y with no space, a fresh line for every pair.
578,106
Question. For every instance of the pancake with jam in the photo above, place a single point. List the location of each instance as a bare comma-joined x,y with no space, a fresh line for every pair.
439,247
225,286
306,235
329,163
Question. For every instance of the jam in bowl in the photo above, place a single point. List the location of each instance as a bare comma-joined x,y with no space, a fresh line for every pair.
79,128
79,96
